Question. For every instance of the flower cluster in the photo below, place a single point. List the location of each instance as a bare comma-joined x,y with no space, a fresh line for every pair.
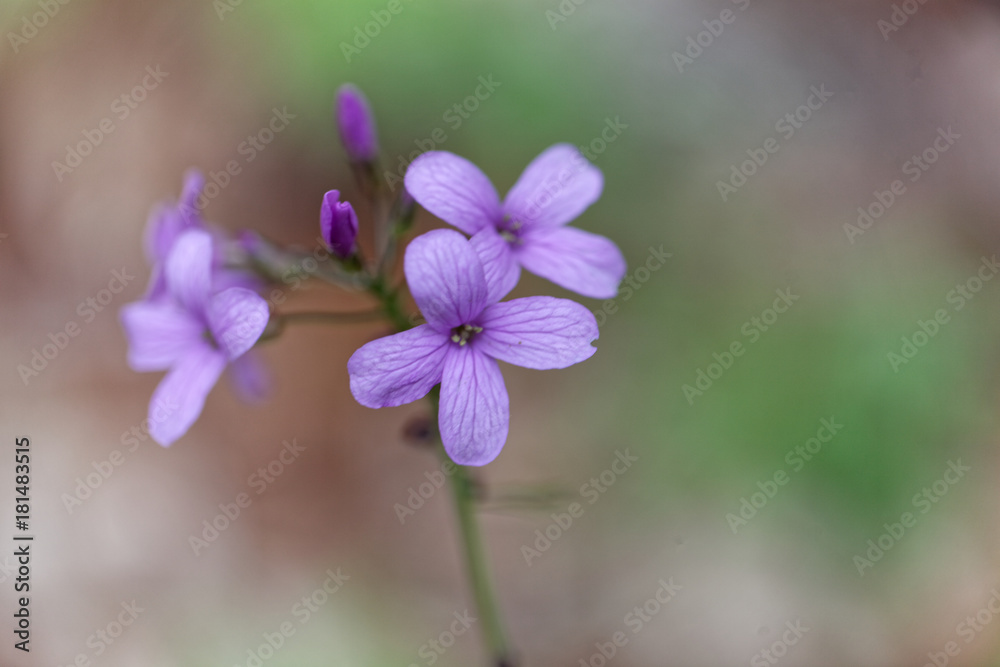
202,311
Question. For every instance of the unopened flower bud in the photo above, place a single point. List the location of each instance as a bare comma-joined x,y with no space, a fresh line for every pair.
338,224
356,124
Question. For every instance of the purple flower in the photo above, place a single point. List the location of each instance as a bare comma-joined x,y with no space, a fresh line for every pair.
467,332
166,223
528,228
338,224
356,124
194,331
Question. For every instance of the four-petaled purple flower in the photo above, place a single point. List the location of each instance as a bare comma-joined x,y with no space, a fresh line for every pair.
193,329
528,228
467,331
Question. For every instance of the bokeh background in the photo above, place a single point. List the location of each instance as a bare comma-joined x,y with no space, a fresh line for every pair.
564,71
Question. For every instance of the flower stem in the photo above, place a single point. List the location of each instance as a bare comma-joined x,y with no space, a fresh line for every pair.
464,496
478,569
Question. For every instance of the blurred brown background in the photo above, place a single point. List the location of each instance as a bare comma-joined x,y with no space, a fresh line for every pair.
64,235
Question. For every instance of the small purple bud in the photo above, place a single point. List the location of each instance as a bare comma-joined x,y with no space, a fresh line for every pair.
356,124
338,224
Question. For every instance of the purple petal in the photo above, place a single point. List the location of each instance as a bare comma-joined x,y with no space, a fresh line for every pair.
398,369
194,182
499,264
555,188
356,124
250,377
162,227
189,270
338,224
453,189
475,408
586,263
446,278
236,317
180,396
158,333
539,332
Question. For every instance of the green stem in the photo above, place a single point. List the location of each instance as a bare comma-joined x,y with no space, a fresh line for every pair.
464,494
478,569
389,299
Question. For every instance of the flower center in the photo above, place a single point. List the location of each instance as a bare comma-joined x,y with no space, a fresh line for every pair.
510,231
463,334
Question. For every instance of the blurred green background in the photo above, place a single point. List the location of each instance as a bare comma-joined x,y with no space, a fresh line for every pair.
563,76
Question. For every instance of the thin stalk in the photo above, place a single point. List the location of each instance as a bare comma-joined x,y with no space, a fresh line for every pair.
478,569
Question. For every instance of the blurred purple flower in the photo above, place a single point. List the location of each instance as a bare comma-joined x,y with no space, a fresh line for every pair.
193,330
338,224
356,124
467,331
528,228
166,224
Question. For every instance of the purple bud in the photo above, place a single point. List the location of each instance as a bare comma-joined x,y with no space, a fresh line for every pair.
356,124
339,224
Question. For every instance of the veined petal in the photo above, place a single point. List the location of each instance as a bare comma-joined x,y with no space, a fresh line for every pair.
475,409
398,369
586,263
189,270
539,332
555,188
446,278
180,396
499,264
453,189
158,333
236,317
